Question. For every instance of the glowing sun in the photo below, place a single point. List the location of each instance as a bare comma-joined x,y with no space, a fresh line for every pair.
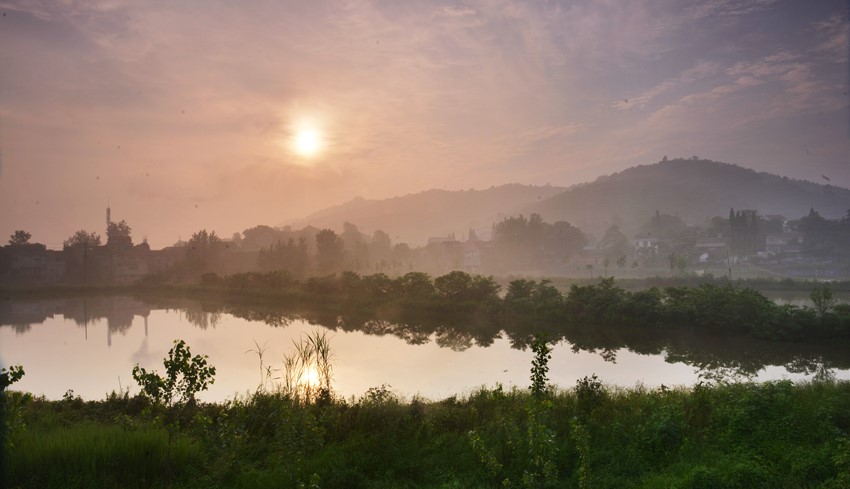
307,142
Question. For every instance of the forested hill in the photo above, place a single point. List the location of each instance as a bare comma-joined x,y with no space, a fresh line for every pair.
414,218
691,188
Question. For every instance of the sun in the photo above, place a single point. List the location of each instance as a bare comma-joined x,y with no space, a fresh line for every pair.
307,142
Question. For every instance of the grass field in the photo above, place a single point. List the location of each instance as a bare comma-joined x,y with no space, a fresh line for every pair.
776,434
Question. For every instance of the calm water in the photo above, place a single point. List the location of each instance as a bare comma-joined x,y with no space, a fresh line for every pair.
91,345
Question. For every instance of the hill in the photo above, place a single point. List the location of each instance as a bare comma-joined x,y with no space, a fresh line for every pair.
693,189
414,218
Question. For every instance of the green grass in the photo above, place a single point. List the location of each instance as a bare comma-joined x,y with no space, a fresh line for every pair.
91,454
776,434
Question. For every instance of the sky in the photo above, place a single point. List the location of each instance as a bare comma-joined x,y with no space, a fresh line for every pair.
218,115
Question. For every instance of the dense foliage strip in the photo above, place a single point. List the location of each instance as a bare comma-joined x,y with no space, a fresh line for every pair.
775,434
726,309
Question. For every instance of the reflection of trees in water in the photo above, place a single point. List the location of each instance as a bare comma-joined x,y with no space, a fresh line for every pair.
745,357
201,318
21,315
119,312
726,356
20,328
380,327
456,339
269,317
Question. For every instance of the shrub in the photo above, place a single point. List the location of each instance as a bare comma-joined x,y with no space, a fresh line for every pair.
185,376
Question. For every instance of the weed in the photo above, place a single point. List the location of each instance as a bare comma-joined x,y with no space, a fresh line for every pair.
540,366
185,377
589,393
308,369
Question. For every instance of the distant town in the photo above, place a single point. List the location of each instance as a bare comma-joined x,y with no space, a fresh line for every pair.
743,244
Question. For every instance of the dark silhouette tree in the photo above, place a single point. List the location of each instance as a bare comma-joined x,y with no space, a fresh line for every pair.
415,285
117,230
19,237
203,251
90,239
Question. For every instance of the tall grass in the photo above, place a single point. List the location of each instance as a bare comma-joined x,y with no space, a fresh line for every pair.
307,372
775,434
100,455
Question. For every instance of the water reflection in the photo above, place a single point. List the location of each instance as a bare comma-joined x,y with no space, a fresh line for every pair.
713,355
619,348
118,312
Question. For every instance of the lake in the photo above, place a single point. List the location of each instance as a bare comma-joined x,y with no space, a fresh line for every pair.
90,345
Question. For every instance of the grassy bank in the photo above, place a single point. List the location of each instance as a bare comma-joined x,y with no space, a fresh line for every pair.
775,434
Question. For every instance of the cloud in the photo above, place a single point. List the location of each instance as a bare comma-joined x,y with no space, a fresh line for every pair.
726,8
833,34
457,11
700,71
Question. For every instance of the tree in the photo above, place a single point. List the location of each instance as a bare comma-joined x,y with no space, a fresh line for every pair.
564,239
521,242
289,256
329,251
823,299
415,285
380,246
402,254
460,286
260,237
237,240
83,238
614,243
116,229
678,263
621,262
20,237
351,235
519,289
203,251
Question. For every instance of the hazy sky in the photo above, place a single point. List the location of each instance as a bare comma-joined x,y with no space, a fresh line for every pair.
185,115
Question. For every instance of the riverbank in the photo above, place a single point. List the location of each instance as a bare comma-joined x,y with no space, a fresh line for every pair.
802,286
775,434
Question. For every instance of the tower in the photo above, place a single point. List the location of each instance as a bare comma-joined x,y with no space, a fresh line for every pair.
108,216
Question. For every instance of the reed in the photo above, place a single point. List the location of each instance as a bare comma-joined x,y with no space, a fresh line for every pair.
307,372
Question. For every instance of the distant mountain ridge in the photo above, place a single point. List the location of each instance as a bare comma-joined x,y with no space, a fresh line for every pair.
414,218
693,189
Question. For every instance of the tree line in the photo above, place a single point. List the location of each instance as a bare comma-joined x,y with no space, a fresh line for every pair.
718,309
